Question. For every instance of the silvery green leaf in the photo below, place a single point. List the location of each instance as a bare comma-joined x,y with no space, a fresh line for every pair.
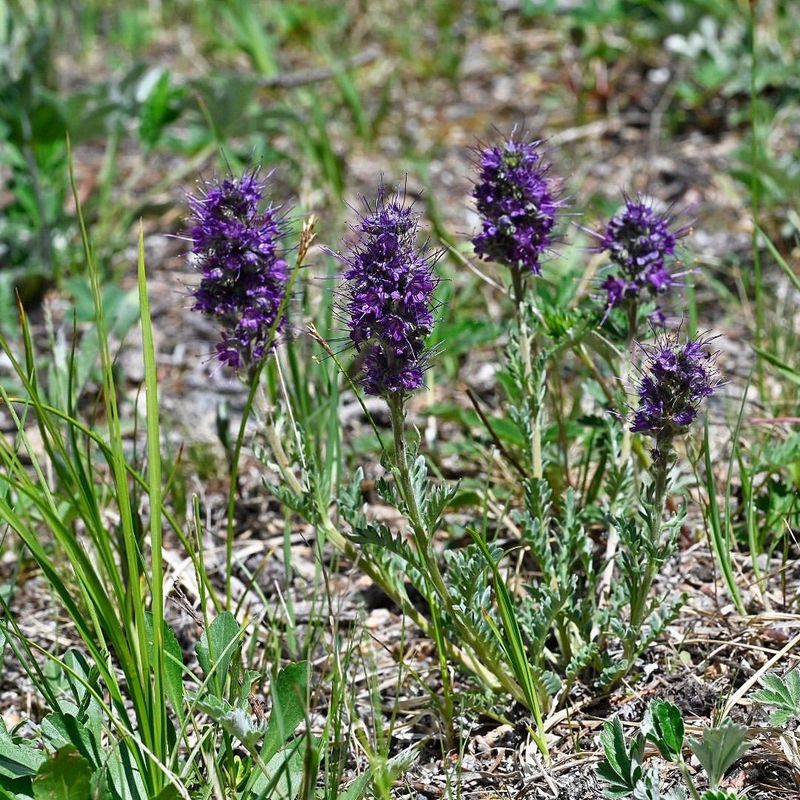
719,749
241,725
783,693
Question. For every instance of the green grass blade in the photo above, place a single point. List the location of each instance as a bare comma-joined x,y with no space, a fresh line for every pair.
719,536
159,718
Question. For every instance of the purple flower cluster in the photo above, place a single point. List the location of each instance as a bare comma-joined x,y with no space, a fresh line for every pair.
639,241
387,300
675,380
518,204
236,246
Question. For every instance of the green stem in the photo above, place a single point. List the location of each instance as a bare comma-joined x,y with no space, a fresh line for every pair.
625,375
526,353
659,496
625,448
755,194
254,379
424,544
688,779
422,539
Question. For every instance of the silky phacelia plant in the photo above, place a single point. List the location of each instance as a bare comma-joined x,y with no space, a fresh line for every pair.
518,202
676,378
387,298
237,249
639,241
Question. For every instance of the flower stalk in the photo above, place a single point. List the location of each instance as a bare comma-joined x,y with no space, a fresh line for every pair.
518,203
676,379
424,546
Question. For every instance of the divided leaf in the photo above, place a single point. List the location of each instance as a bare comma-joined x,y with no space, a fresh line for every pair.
173,664
719,749
663,725
622,767
783,693
649,787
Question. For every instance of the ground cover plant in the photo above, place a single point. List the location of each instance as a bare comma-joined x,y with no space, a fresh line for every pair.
399,400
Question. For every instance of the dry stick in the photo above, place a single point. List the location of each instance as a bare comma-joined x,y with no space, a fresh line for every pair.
302,77
500,446
460,257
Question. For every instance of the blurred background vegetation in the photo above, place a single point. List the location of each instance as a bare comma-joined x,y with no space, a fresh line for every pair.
695,102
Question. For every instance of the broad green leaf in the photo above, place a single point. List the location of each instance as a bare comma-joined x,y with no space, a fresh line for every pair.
173,665
719,749
288,707
17,759
663,725
356,790
720,794
783,693
622,767
284,774
169,792
61,730
216,646
118,778
65,776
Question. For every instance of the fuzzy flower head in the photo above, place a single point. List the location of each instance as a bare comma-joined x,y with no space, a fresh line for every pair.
387,298
518,203
676,378
639,241
237,249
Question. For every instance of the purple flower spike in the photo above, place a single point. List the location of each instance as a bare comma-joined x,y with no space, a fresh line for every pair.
236,247
639,242
387,300
518,204
675,380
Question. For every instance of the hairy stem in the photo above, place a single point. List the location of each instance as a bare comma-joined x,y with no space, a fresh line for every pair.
625,375
526,353
255,377
424,543
656,517
688,779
